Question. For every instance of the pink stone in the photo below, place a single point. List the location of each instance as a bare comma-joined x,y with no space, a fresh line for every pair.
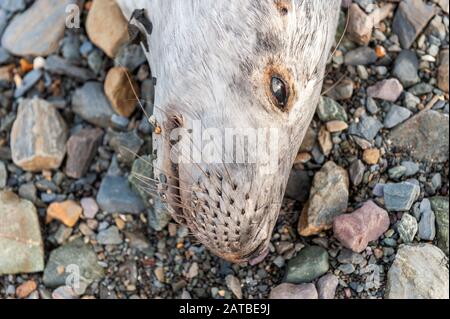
326,286
388,90
364,225
291,291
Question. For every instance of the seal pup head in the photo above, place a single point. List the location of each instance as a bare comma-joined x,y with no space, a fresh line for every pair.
245,67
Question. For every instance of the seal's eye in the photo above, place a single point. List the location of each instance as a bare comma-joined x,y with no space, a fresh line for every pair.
279,91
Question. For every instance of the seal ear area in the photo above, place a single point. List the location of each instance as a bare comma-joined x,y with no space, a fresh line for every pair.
279,87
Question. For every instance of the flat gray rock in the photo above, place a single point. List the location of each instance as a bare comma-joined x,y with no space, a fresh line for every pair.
425,137
410,19
116,196
38,30
75,258
91,104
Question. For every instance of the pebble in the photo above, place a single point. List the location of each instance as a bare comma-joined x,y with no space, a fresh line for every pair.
356,172
68,212
234,285
407,228
396,116
411,101
361,56
347,269
115,196
299,185
325,141
412,168
28,191
410,19
346,256
401,196
388,90
110,236
330,110
371,156
360,25
443,70
326,286
64,293
425,137
336,126
421,89
354,231
291,291
3,175
372,106
38,30
418,272
91,104
440,208
367,127
103,15
5,57
122,91
38,136
406,68
310,263
28,82
21,246
81,149
126,145
130,57
90,207
342,91
427,224
328,199
73,260
59,66
26,289
397,172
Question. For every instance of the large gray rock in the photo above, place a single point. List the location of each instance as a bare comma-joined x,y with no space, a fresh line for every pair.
116,196
38,30
73,259
38,136
328,199
400,197
91,104
310,263
13,5
425,136
406,68
21,247
411,17
418,272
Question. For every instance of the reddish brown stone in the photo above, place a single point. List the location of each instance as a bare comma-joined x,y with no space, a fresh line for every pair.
81,149
357,229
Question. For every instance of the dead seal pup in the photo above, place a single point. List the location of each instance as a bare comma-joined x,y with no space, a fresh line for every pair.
248,64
